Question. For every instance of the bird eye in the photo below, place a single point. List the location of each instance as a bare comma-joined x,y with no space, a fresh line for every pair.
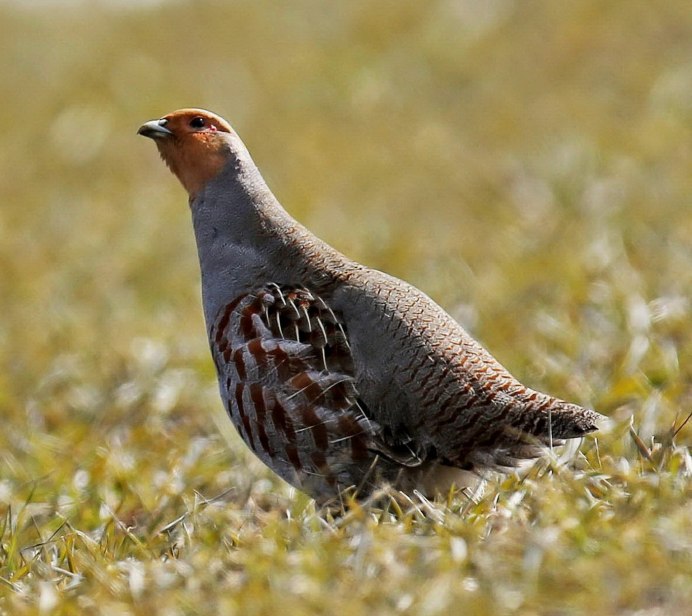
197,122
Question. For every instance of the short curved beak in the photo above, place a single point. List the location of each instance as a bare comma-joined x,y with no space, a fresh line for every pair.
154,129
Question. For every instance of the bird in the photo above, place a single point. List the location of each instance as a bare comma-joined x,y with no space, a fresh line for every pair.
340,378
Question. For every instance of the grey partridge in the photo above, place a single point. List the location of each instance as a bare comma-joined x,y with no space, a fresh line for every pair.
337,376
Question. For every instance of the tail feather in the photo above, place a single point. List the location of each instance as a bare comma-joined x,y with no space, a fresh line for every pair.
566,420
549,422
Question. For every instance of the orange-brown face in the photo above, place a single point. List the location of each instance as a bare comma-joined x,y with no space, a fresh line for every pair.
192,143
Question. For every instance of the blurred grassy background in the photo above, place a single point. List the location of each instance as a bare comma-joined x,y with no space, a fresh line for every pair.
528,164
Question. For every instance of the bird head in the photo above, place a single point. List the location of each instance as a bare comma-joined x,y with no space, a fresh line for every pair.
193,143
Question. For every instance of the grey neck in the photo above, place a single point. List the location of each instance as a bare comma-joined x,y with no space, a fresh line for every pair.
246,239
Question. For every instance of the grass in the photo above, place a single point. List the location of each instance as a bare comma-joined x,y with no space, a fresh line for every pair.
525,163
